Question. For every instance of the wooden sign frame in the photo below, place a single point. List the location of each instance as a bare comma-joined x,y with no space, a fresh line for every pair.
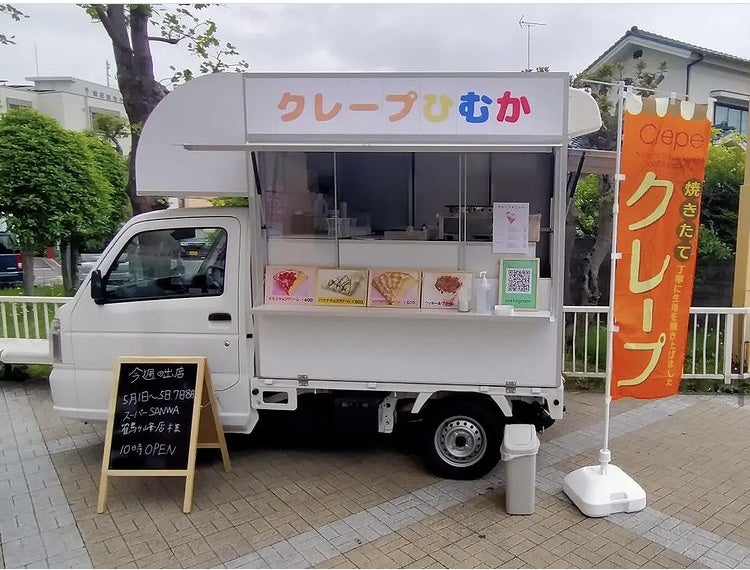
206,430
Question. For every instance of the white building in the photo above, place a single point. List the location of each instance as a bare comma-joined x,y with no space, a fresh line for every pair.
700,73
73,102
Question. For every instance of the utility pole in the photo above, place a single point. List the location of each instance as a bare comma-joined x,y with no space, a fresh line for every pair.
528,25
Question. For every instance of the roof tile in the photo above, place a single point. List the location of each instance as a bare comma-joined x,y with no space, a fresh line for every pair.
637,33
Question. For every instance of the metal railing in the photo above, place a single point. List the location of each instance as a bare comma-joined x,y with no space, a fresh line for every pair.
712,334
28,317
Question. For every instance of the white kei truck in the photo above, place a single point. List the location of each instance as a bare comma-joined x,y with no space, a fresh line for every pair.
342,171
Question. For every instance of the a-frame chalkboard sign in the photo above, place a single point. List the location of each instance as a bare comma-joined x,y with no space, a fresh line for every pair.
162,409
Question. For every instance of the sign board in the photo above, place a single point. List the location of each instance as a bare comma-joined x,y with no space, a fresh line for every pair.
519,280
510,227
405,107
664,162
161,410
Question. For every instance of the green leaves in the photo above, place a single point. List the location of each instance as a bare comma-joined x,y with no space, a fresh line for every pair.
54,183
112,128
725,171
200,40
587,200
14,14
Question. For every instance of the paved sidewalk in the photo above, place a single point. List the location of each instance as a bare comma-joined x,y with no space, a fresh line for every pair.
351,505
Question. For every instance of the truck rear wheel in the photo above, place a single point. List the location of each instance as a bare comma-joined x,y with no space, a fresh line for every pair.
462,439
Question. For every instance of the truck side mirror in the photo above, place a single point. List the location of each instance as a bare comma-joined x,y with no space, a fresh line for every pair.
98,293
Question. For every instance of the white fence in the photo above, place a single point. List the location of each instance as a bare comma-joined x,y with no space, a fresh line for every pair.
712,334
28,317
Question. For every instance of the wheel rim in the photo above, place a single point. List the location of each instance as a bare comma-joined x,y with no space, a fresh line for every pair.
460,441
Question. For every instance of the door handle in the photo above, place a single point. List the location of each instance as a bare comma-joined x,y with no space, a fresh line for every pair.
219,317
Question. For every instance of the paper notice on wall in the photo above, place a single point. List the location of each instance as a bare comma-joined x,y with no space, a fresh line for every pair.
510,227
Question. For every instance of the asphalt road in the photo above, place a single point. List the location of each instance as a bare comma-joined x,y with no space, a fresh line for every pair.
46,271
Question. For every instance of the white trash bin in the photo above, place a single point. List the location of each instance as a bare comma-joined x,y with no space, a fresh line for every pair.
518,452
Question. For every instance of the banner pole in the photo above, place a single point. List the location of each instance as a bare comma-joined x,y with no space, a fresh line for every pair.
604,454
600,490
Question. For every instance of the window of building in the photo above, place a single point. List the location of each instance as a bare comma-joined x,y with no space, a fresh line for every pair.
94,112
183,262
109,97
730,118
16,103
96,94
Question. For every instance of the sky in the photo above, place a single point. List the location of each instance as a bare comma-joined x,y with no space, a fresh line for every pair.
379,37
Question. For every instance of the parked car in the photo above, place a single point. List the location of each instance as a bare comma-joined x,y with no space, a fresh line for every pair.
194,243
11,261
86,263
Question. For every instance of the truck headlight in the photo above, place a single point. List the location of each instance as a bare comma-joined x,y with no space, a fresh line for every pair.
54,341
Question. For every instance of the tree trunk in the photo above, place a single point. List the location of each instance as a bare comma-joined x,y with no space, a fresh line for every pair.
140,204
591,290
70,252
135,78
65,267
570,291
28,269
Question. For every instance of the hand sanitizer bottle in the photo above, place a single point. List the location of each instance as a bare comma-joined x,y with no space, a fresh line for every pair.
482,298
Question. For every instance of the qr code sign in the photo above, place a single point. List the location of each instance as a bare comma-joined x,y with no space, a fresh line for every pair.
518,280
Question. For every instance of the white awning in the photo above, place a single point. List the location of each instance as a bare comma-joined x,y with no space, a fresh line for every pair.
583,113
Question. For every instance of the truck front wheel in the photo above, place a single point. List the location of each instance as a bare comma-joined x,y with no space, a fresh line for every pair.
462,439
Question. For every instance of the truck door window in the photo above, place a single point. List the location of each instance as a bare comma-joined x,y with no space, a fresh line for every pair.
175,263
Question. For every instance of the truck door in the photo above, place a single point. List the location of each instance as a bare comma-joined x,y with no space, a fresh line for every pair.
169,287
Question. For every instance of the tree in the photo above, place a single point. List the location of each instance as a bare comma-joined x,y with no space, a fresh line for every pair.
230,202
587,205
128,29
725,171
643,81
100,212
91,205
112,128
46,179
114,169
14,14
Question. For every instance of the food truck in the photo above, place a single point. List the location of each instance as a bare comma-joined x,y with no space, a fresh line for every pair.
400,252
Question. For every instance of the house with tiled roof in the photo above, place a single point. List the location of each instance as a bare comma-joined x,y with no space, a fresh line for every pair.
698,72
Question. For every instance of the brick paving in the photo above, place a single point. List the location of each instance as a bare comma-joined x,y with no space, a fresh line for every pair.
372,504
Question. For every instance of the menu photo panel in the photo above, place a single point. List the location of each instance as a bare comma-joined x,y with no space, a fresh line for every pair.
290,285
394,288
341,287
440,289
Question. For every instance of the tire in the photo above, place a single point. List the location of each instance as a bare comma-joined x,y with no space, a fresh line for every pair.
461,439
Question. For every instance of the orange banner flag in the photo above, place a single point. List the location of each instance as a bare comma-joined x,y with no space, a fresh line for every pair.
663,160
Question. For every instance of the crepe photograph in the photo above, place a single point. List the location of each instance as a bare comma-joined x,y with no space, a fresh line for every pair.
394,288
440,289
341,287
289,285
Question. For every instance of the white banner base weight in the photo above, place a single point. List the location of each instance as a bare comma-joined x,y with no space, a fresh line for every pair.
599,493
